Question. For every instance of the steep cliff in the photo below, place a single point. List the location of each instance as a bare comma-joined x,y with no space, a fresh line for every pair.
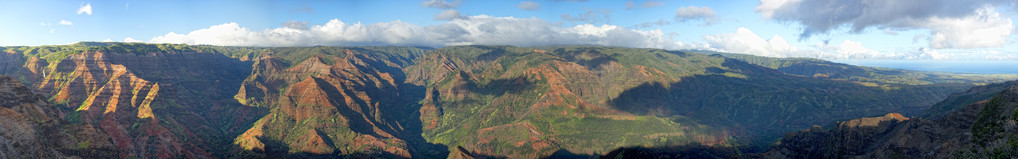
985,129
31,128
181,101
526,103
342,101
152,101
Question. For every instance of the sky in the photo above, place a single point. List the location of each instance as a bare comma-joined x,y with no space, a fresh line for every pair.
966,30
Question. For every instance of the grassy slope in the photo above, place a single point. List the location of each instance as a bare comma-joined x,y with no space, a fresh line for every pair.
697,98
524,102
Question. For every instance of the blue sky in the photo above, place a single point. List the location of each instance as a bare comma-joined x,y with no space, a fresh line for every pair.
877,29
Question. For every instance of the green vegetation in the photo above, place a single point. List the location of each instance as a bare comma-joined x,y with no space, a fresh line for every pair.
706,99
506,101
957,101
825,69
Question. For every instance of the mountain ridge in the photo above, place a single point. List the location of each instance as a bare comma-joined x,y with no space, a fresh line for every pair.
498,101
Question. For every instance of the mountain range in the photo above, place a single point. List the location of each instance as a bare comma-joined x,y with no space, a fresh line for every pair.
135,100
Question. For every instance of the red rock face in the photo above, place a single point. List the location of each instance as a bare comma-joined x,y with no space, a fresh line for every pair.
323,93
120,102
31,128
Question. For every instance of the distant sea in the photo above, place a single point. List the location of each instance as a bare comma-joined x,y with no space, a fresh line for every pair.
980,67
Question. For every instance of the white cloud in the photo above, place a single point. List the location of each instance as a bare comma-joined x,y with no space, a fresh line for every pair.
688,13
745,41
529,5
65,22
108,40
925,53
768,8
951,22
473,30
854,50
441,4
449,14
294,24
131,40
987,28
488,30
86,9
51,30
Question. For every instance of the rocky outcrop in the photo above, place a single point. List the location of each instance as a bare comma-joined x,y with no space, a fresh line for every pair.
979,130
328,105
119,101
32,128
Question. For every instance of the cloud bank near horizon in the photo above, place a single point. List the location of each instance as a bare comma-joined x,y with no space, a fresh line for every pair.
952,23
472,30
490,30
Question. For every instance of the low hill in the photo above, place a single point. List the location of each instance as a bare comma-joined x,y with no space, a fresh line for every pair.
172,100
983,129
870,75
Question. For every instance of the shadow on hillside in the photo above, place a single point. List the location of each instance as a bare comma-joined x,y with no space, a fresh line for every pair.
745,101
587,57
698,93
279,149
493,54
496,87
563,153
684,151
761,103
679,53
400,104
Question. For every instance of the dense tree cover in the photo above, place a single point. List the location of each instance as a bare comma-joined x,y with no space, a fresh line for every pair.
492,100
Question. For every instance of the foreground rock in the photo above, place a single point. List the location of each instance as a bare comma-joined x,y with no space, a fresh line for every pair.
984,129
32,128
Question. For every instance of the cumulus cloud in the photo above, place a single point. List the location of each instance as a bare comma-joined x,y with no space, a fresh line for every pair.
441,4
294,24
945,18
65,22
688,13
473,30
85,9
449,14
131,40
108,40
745,41
855,50
984,29
529,5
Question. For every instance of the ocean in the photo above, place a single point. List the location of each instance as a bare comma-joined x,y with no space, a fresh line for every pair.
980,67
